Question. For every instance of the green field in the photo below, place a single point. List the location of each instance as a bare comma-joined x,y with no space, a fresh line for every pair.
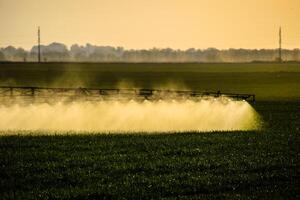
269,81
232,165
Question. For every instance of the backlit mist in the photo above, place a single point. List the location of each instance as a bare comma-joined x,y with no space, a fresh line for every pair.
132,116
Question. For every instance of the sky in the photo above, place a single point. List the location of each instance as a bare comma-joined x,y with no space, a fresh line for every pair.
144,24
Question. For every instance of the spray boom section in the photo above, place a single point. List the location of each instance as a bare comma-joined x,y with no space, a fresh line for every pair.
96,94
124,110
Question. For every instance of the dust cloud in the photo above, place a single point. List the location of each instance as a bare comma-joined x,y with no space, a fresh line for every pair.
130,116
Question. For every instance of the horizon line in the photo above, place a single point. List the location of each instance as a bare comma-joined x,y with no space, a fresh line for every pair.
150,48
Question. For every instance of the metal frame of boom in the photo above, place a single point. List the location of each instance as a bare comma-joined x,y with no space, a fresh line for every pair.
46,92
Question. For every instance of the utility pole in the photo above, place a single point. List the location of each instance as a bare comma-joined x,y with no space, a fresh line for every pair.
39,45
279,50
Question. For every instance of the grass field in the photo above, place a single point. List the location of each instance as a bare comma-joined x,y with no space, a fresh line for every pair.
233,165
269,81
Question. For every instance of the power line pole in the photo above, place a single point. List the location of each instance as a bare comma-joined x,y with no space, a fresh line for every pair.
39,45
280,50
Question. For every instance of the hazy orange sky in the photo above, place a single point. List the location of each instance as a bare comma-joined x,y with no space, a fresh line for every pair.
152,23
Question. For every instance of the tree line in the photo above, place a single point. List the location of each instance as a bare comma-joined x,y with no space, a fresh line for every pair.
57,52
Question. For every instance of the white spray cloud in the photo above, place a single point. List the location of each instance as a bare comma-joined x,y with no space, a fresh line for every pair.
132,116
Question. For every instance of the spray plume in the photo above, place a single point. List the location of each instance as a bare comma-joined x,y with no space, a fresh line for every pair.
130,116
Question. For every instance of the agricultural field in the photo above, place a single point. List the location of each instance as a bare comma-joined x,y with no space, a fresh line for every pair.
269,81
232,164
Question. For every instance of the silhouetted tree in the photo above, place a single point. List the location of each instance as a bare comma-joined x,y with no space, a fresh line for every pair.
59,52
